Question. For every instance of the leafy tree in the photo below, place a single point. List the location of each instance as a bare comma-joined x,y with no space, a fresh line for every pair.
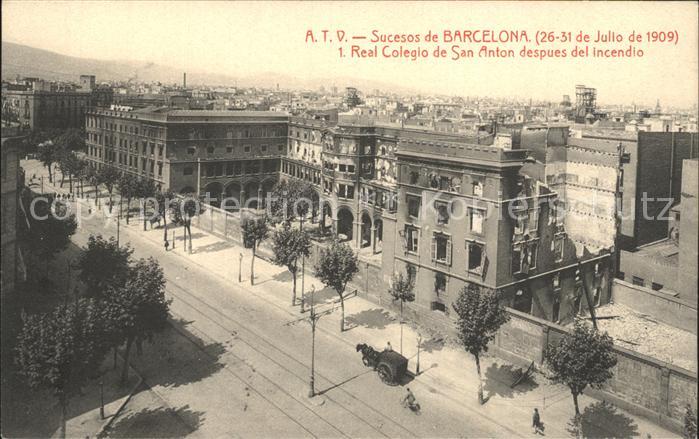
92,176
103,265
109,176
184,209
337,266
128,188
584,357
81,168
255,230
69,164
290,245
72,139
48,155
138,309
289,198
690,423
163,206
402,290
46,232
59,350
145,188
480,315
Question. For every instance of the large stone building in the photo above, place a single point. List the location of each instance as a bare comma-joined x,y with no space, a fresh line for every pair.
12,181
446,209
669,265
38,104
223,153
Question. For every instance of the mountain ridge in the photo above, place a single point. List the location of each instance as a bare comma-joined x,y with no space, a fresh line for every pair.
22,60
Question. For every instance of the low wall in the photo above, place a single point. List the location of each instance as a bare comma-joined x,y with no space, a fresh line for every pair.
663,307
641,384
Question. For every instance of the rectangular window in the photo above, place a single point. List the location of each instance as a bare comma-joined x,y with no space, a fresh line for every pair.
478,189
191,150
413,206
638,281
411,272
534,220
342,168
516,260
280,148
412,239
246,148
441,248
475,256
656,286
263,148
442,210
440,284
229,149
350,168
558,248
476,217
444,183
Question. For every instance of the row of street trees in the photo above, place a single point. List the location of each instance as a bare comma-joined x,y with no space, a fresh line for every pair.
124,304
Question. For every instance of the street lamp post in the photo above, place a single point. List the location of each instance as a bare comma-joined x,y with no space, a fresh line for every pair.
240,268
118,223
101,399
419,341
313,319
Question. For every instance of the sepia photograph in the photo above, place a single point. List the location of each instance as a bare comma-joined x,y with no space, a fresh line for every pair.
349,219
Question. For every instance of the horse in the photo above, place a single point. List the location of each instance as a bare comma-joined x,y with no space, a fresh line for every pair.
369,354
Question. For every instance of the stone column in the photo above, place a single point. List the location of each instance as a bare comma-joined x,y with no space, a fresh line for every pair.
373,239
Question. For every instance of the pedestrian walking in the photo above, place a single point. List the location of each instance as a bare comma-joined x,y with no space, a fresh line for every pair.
536,422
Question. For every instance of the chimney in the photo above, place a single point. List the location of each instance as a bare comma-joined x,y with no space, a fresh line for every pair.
184,80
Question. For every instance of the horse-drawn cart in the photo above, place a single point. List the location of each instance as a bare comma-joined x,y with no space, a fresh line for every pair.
390,365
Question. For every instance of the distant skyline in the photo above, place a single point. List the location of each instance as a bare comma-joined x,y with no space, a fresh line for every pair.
242,39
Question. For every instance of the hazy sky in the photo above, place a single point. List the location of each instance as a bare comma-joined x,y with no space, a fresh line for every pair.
241,39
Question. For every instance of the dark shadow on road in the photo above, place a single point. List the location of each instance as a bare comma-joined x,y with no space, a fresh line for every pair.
161,422
215,247
432,344
285,276
322,296
603,420
375,318
180,234
499,379
334,386
176,357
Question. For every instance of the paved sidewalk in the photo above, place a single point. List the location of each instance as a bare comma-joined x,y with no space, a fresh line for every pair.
445,370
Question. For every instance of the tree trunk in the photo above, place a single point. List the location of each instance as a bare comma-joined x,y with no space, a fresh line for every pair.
50,174
70,182
125,370
480,380
110,201
293,274
64,414
252,266
189,229
143,210
342,316
128,209
575,402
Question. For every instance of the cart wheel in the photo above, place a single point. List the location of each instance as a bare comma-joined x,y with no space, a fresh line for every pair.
385,374
366,361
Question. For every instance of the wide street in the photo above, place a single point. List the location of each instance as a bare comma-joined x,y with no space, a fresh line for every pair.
237,361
